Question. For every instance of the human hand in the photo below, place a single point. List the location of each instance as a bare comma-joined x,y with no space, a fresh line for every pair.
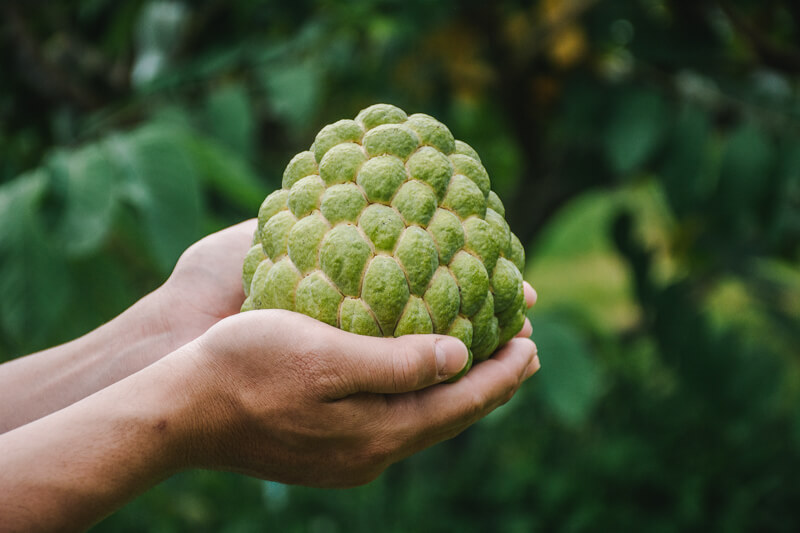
206,284
288,398
269,393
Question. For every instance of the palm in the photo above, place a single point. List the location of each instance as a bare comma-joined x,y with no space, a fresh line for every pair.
206,285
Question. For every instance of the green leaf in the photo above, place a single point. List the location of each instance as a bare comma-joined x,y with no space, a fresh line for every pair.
228,117
686,179
33,275
90,195
635,131
162,184
745,172
293,89
227,174
569,380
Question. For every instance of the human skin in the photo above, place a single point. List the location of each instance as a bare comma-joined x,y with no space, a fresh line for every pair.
204,288
250,395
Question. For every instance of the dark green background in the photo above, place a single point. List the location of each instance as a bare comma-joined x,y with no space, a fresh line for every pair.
647,151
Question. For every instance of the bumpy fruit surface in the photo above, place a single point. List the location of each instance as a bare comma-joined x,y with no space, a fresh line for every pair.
388,226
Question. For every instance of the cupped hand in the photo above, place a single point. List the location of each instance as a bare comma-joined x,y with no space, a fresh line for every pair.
206,284
291,399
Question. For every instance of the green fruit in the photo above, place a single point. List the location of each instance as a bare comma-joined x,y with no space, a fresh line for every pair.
387,226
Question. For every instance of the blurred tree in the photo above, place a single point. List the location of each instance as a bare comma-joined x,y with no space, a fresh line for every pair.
648,152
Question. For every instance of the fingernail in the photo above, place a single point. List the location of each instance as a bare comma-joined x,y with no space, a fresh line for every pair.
451,356
533,367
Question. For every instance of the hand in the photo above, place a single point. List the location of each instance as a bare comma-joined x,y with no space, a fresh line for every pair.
206,284
269,393
291,399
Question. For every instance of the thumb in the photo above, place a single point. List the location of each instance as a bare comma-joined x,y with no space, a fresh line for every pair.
404,364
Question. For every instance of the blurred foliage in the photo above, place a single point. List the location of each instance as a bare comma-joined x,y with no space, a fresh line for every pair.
648,152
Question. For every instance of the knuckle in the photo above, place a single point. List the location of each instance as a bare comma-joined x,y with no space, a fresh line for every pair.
474,407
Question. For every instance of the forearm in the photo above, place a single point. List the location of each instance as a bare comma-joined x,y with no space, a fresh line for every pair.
68,470
41,383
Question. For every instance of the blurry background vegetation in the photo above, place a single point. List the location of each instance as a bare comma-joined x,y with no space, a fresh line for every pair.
648,152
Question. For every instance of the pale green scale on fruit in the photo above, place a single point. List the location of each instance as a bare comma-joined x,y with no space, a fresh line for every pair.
461,328
416,203
317,298
432,167
251,261
506,332
501,233
447,233
339,132
472,169
248,305
273,203
472,280
380,177
385,291
464,198
257,285
388,226
276,233
485,331
341,163
464,149
394,139
382,225
432,132
443,299
304,195
343,255
356,318
304,242
506,316
415,319
417,254
516,253
342,202
302,165
480,240
279,286
378,114
493,201
506,282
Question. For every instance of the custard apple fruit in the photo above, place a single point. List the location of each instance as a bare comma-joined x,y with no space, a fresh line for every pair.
388,226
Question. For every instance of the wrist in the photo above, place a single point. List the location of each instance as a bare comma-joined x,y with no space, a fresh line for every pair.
140,336
203,410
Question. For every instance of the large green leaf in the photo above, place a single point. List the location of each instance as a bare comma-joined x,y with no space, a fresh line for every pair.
686,179
226,174
293,89
33,275
162,184
90,179
570,380
745,171
636,128
229,118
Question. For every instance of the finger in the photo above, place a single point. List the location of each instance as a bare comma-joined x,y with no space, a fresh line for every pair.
404,364
533,367
526,330
442,412
530,294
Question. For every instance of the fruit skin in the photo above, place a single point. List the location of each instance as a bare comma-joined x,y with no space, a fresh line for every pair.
388,226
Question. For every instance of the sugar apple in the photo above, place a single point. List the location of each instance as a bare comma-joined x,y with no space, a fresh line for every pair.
387,226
